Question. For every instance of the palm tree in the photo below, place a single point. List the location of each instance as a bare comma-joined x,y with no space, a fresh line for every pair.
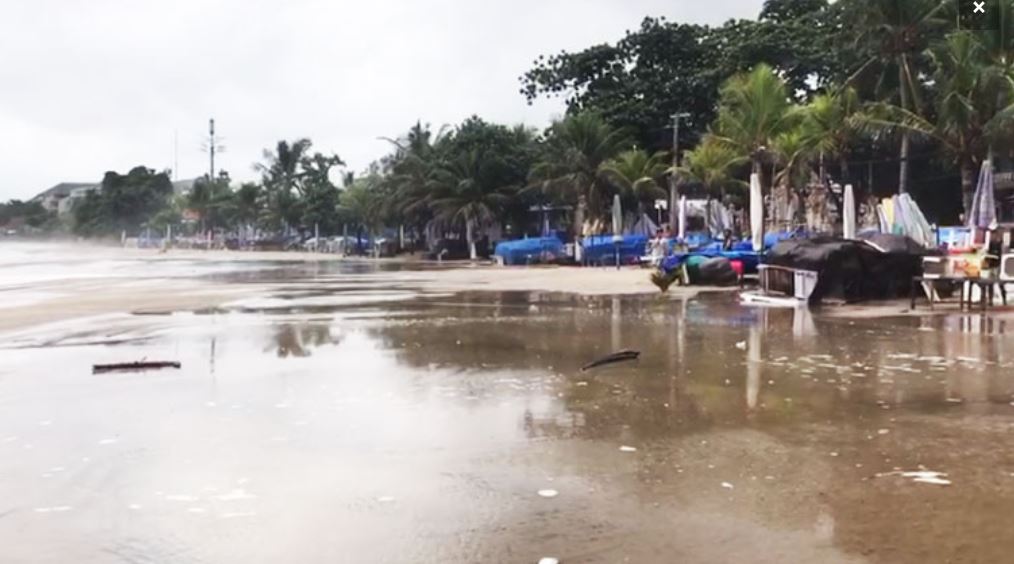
899,32
967,109
466,191
711,164
359,206
792,155
410,169
280,175
570,165
634,174
832,125
754,110
247,204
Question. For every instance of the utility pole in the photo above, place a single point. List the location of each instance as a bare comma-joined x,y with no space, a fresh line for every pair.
674,177
212,146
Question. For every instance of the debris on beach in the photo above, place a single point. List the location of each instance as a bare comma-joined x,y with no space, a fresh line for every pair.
549,560
626,448
134,366
548,493
741,345
921,476
620,356
727,485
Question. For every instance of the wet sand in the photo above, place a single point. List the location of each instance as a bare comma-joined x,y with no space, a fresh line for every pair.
365,413
150,280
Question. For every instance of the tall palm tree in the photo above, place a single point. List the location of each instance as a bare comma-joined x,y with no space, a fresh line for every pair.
831,125
280,175
359,206
793,156
712,164
753,111
635,175
569,167
466,192
410,169
899,32
968,110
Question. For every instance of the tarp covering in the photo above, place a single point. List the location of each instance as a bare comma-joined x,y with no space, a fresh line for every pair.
716,271
525,251
853,270
599,248
890,243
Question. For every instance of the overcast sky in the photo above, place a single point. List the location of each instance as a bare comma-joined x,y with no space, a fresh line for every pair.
96,85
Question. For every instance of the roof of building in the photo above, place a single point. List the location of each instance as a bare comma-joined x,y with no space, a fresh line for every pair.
62,190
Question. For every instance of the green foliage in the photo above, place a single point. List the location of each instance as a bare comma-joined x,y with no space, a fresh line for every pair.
212,200
637,176
753,112
713,164
123,202
297,188
32,214
570,166
664,68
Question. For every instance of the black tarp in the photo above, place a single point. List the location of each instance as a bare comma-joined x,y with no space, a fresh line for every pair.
851,270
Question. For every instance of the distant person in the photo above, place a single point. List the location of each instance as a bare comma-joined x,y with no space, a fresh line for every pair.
728,240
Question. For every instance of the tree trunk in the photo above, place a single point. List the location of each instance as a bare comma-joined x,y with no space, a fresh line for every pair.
846,176
967,187
903,166
470,238
579,214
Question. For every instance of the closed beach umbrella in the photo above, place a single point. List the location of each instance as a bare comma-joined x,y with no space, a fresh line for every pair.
682,215
756,213
849,215
617,227
983,212
617,216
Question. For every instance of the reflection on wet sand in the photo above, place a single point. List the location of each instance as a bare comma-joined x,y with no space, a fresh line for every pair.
318,425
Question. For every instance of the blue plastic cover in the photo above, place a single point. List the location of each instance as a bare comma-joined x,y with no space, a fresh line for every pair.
600,248
525,251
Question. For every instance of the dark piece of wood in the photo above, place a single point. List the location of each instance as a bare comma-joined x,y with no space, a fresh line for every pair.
620,356
140,365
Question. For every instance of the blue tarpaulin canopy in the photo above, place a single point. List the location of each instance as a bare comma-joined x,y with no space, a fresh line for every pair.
599,248
525,251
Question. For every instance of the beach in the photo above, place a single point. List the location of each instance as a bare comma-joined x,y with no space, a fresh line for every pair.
106,279
383,411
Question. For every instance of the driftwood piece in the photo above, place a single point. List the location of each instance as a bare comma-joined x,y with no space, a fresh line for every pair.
133,366
619,356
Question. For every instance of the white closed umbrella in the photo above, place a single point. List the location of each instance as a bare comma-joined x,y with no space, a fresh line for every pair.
756,213
617,227
682,216
849,213
983,212
617,216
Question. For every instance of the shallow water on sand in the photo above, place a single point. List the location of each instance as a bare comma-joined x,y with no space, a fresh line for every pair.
338,417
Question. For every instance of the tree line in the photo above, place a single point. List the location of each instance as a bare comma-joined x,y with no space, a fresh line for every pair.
889,95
